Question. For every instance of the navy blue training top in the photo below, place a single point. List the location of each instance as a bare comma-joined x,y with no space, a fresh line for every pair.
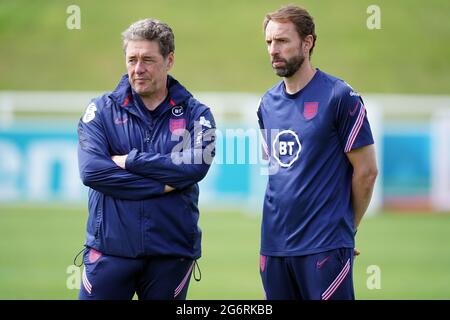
306,135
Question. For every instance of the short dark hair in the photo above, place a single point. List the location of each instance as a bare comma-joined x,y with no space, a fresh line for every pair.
151,30
303,21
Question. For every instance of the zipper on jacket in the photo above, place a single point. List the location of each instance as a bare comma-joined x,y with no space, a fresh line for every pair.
149,133
147,136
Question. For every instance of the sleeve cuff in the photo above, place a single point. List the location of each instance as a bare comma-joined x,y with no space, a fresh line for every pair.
130,159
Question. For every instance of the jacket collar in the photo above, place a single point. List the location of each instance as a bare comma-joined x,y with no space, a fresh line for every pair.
126,97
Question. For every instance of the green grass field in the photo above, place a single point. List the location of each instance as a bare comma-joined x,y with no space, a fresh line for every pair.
38,244
220,45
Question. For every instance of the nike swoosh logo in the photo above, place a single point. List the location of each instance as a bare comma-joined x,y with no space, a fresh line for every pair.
321,263
352,113
121,121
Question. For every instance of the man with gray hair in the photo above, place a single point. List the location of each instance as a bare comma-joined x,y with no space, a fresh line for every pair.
142,150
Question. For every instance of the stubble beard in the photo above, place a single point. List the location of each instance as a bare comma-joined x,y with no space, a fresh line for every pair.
291,67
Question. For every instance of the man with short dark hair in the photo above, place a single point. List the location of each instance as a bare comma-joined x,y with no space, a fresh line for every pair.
142,150
322,168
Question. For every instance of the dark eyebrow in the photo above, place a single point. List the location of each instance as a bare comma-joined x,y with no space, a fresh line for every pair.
133,56
280,38
277,39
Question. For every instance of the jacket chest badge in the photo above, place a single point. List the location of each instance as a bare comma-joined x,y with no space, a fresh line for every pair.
177,124
177,111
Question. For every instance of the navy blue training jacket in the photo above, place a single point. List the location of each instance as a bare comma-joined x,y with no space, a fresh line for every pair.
129,213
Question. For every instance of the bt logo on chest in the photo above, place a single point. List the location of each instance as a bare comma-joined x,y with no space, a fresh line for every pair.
286,148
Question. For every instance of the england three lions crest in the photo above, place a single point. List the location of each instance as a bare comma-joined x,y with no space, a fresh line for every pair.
310,110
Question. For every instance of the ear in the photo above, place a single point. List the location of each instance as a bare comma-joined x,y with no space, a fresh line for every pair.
170,60
307,44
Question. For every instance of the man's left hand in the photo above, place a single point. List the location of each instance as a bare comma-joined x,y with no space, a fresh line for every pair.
120,160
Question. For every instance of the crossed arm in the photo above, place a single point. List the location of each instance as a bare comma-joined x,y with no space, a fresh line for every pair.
139,175
99,172
120,162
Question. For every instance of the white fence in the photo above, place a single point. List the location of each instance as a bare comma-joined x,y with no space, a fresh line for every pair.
225,104
242,107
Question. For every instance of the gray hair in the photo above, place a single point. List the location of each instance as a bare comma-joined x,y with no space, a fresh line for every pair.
151,30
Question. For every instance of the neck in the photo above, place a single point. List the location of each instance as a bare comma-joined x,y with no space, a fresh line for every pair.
300,79
152,101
